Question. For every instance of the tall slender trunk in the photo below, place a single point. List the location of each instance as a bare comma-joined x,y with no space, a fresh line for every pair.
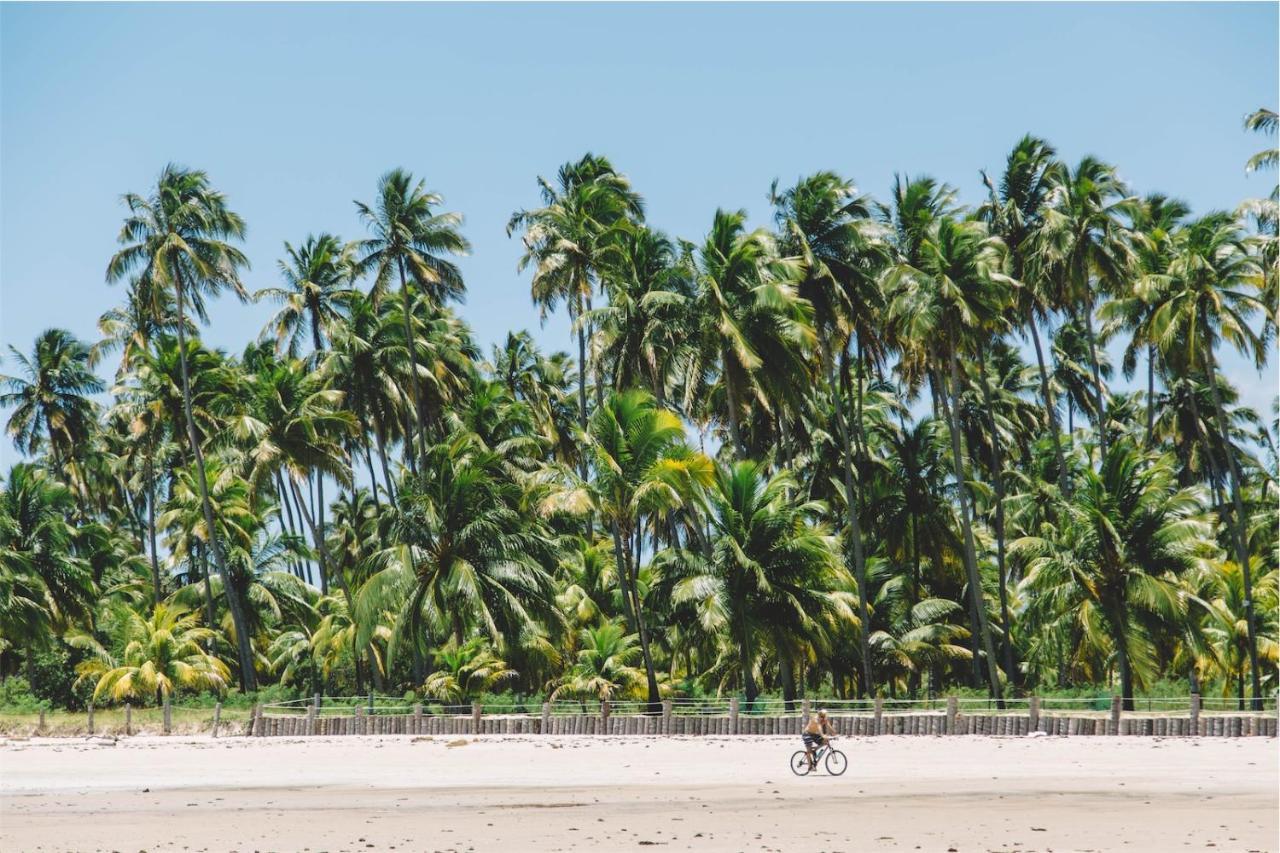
731,394
248,678
322,552
380,435
200,558
419,404
1151,394
1050,409
622,553
1238,527
997,474
787,676
1100,398
970,552
852,503
1122,662
149,473
317,533
288,520
744,661
373,478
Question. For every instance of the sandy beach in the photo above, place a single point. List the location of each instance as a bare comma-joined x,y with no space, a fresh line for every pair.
520,793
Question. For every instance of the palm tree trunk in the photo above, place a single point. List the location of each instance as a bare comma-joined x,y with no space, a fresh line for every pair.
1050,409
970,552
744,661
322,552
210,613
622,553
1151,394
287,521
852,503
248,678
373,478
1097,376
411,345
380,435
1122,662
1238,522
151,518
997,474
731,393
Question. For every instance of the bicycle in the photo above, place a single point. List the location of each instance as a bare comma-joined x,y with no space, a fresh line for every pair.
833,759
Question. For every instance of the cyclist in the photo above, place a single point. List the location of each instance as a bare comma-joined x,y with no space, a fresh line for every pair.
815,735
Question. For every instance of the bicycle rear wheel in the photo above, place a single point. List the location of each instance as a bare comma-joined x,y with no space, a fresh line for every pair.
800,763
836,762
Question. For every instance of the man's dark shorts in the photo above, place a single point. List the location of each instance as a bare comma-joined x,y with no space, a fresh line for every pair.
812,741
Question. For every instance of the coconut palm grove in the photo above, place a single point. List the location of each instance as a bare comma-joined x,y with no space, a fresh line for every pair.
878,448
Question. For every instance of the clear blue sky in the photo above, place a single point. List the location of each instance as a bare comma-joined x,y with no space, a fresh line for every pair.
295,110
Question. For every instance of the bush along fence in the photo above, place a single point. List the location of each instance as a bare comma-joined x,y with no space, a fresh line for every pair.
315,717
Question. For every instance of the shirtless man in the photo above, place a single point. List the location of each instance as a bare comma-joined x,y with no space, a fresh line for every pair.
815,735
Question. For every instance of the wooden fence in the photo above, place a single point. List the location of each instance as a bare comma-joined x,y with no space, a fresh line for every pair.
308,722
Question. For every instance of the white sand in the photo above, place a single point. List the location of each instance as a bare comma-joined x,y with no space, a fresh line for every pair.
516,794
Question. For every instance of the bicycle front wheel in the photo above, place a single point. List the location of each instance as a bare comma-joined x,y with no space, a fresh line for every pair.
836,762
800,763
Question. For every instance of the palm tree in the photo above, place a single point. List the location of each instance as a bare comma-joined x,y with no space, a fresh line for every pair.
465,671
464,555
1085,249
828,226
1152,231
410,240
641,328
1211,295
1073,377
1016,214
363,362
294,426
50,401
605,665
178,239
565,241
44,585
642,467
163,653
317,277
955,294
774,569
751,322
1126,535
1226,624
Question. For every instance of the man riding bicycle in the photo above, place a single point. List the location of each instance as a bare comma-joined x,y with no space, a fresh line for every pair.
815,736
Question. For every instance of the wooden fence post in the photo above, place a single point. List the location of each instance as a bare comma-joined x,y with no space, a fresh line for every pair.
311,720
604,715
217,717
476,711
128,718
879,719
90,717
315,700
362,722
546,718
666,716
1033,712
417,718
953,708
804,711
41,728
257,724
733,715
1115,712
168,715
1195,714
